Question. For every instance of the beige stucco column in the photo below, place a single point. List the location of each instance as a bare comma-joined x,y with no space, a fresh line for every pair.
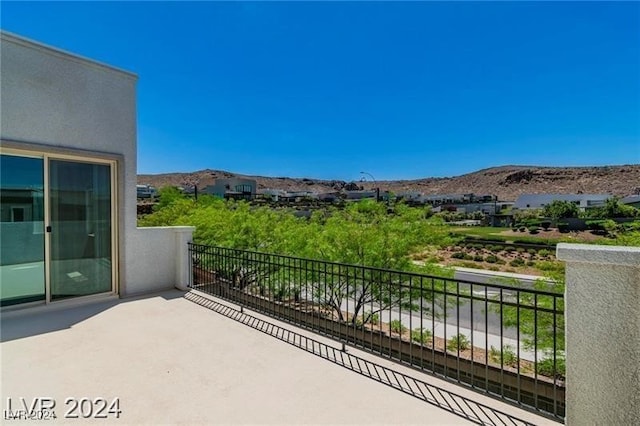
602,302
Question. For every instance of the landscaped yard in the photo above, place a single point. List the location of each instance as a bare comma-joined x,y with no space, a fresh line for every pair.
552,236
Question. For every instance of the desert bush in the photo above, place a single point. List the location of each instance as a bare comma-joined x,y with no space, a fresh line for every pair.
546,367
544,253
517,262
478,258
506,356
458,255
421,335
491,259
397,327
458,342
373,318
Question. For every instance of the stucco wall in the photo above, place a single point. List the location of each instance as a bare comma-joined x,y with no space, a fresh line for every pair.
63,103
160,260
602,320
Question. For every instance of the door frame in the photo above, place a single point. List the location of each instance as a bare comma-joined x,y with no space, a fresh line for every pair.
111,160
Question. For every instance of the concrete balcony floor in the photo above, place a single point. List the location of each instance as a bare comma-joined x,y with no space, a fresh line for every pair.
172,361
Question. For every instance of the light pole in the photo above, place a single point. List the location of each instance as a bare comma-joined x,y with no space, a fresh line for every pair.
374,182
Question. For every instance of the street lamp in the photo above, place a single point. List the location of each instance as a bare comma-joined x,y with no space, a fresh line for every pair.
374,182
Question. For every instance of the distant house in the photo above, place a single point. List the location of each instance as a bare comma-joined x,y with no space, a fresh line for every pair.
146,191
273,194
359,195
233,188
455,199
329,197
632,200
539,201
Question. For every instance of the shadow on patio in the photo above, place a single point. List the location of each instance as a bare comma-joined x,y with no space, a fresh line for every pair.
170,359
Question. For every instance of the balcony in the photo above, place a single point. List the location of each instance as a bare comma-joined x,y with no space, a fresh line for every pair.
186,358
207,355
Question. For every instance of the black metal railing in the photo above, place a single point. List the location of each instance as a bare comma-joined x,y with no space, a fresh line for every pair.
506,341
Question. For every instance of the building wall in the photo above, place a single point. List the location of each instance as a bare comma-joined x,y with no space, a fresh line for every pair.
219,188
55,101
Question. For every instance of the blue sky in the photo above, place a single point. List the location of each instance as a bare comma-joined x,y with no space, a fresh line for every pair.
399,90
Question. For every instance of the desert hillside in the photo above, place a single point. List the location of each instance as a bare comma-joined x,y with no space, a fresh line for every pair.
507,182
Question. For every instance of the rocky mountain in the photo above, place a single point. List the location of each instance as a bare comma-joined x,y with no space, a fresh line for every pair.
507,182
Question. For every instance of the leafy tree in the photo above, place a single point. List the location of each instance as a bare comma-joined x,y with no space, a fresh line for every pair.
167,195
559,209
362,233
612,209
540,318
524,216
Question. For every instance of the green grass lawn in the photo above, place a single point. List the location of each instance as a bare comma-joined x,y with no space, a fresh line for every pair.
543,237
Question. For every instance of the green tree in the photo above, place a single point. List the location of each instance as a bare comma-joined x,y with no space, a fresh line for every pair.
524,216
363,233
539,318
559,209
612,209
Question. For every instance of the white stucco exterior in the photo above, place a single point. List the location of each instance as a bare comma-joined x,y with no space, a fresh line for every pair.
58,102
602,320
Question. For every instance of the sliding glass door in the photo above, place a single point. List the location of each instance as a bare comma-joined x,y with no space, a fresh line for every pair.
80,228
22,242
57,226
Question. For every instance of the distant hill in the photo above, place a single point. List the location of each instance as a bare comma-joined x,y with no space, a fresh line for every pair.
507,182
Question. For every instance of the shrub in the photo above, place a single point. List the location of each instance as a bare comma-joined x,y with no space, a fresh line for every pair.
520,250
532,251
546,224
563,227
373,319
522,228
421,335
517,262
501,261
506,357
458,255
533,229
478,258
491,259
458,342
550,266
467,256
509,249
545,367
544,253
397,327
496,249
531,263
